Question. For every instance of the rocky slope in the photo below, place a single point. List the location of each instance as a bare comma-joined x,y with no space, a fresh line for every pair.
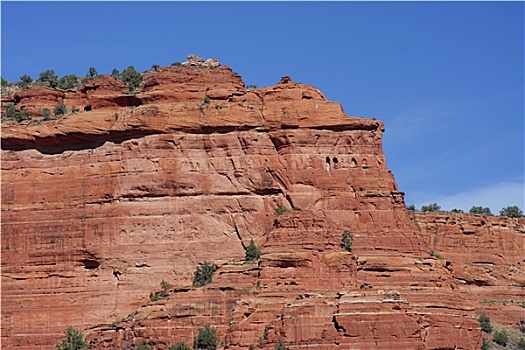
101,206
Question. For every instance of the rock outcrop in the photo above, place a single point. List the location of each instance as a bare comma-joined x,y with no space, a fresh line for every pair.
485,255
100,206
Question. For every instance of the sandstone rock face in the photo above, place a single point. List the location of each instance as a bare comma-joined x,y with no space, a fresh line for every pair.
485,255
101,206
36,98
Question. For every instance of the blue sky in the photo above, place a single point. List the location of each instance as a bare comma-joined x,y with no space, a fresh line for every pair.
447,78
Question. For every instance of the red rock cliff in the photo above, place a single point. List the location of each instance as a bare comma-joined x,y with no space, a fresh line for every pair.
485,255
100,206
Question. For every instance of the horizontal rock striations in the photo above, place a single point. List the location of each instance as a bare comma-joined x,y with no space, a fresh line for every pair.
485,255
100,206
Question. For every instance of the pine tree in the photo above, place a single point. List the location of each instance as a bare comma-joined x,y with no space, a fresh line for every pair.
252,253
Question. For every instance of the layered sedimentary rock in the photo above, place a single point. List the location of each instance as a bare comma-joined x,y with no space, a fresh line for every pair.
101,206
485,255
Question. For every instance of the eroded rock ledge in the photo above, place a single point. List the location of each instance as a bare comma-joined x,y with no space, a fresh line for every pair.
190,98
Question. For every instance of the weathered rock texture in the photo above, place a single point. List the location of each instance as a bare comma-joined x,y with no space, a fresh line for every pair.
99,207
486,256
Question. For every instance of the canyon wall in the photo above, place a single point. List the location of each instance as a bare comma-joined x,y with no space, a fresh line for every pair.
100,206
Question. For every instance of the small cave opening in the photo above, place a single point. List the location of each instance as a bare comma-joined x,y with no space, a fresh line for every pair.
288,263
87,108
353,163
129,101
90,264
117,274
327,163
336,162
480,283
364,164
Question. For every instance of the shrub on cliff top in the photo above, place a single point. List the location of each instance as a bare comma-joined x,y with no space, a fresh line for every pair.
430,208
74,340
511,212
68,82
203,274
48,78
92,73
480,211
131,77
115,74
25,81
